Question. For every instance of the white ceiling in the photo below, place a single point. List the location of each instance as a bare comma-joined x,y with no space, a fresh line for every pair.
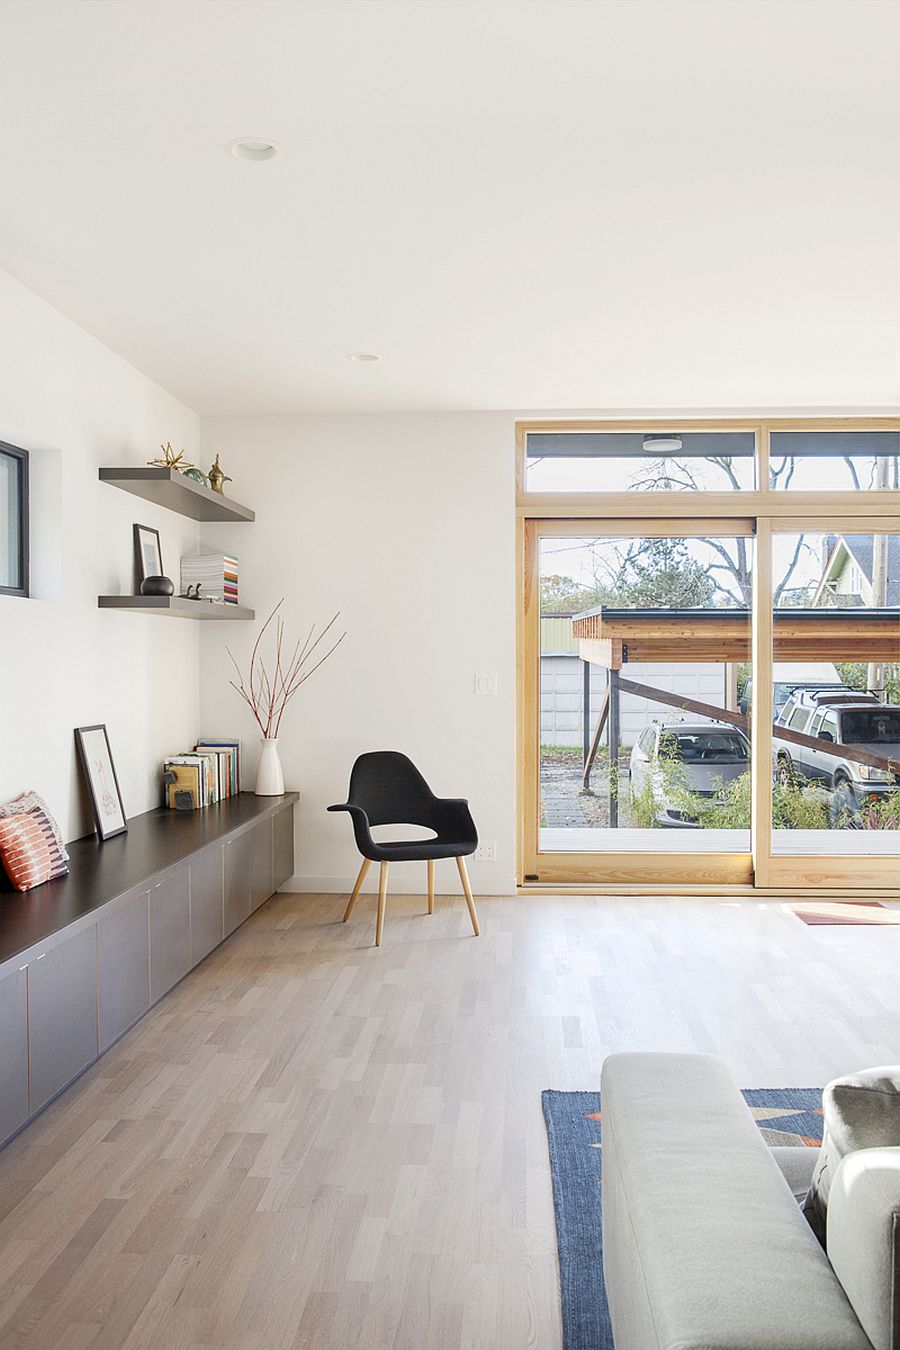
516,203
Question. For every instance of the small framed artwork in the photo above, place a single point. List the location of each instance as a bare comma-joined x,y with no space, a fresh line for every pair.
147,555
100,773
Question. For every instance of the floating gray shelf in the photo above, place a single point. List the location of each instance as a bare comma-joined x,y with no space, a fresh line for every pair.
174,606
169,488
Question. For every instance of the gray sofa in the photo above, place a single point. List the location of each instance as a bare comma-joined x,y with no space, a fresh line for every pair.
704,1244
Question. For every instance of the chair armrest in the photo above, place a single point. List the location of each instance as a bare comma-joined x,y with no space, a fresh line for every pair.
356,811
453,813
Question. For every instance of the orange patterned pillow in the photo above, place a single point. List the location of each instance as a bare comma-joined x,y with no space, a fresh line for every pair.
29,846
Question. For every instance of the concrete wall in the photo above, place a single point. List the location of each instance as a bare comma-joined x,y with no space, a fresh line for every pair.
562,692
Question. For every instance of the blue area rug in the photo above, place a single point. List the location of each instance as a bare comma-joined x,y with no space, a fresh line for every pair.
785,1115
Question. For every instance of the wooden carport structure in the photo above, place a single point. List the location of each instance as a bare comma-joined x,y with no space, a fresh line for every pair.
614,638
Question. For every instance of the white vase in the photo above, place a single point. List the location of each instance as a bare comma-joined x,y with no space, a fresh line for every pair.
269,777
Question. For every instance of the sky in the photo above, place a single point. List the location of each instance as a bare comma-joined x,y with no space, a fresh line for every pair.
578,559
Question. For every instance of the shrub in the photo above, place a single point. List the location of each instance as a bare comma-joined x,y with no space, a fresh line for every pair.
883,814
797,806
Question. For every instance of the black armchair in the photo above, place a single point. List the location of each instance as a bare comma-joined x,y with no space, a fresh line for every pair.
386,788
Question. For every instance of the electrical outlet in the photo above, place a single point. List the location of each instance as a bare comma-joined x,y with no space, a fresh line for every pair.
487,851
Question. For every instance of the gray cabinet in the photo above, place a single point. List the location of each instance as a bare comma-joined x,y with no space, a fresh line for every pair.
71,994
236,853
283,850
62,1014
170,930
123,966
13,1052
207,930
261,860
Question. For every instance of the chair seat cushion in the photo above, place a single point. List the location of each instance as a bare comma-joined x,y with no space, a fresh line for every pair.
418,850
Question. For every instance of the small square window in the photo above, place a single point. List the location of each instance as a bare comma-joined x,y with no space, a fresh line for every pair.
13,520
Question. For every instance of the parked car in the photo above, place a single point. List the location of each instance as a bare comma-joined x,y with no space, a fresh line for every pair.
860,721
790,676
709,754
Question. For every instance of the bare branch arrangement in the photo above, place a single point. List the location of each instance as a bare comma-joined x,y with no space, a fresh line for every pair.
269,688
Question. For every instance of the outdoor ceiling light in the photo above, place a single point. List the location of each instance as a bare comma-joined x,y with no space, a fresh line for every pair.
662,445
256,149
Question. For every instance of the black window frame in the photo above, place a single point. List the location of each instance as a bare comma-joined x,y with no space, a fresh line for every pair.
17,453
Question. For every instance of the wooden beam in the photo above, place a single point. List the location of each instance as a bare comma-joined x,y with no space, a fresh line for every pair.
595,739
738,719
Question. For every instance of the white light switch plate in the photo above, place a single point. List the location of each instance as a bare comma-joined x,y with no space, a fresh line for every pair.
486,684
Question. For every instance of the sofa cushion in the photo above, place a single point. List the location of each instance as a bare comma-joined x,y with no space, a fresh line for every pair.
860,1111
797,1166
31,847
864,1239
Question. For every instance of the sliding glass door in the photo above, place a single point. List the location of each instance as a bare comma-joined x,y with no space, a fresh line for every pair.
639,639
834,650
709,655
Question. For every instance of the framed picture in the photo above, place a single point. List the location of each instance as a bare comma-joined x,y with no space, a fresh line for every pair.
147,555
100,773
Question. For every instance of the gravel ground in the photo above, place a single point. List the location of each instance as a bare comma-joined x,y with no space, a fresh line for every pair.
564,802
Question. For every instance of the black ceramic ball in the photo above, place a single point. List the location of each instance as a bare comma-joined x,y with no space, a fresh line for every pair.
157,586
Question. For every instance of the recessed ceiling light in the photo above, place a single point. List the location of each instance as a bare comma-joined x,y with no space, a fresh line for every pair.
256,149
362,356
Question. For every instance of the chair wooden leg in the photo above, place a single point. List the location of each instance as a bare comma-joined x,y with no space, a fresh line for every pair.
430,865
366,864
464,878
382,901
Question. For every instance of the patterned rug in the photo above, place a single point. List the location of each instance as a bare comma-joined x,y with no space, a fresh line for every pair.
791,1116
846,912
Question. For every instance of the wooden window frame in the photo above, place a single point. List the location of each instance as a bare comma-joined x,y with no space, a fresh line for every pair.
762,511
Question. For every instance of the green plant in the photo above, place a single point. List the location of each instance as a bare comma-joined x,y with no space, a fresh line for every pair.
797,806
731,810
855,675
883,814
644,806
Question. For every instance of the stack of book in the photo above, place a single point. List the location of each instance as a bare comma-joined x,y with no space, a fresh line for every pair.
215,573
208,774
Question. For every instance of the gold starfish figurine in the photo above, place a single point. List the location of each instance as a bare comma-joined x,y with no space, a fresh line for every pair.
170,460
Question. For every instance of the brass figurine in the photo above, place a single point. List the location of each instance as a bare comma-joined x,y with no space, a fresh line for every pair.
217,478
170,460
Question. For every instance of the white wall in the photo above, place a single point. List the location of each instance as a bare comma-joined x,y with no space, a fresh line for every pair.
406,524
64,663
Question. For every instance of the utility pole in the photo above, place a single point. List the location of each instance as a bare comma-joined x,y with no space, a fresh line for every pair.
875,672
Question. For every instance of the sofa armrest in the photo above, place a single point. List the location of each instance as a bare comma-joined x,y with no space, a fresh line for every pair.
704,1246
863,1238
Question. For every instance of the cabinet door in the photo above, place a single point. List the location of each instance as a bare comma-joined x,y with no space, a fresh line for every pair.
283,824
237,880
170,930
261,844
62,1014
206,902
13,1053
123,967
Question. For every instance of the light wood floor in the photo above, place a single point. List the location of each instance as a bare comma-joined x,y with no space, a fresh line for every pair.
313,1143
